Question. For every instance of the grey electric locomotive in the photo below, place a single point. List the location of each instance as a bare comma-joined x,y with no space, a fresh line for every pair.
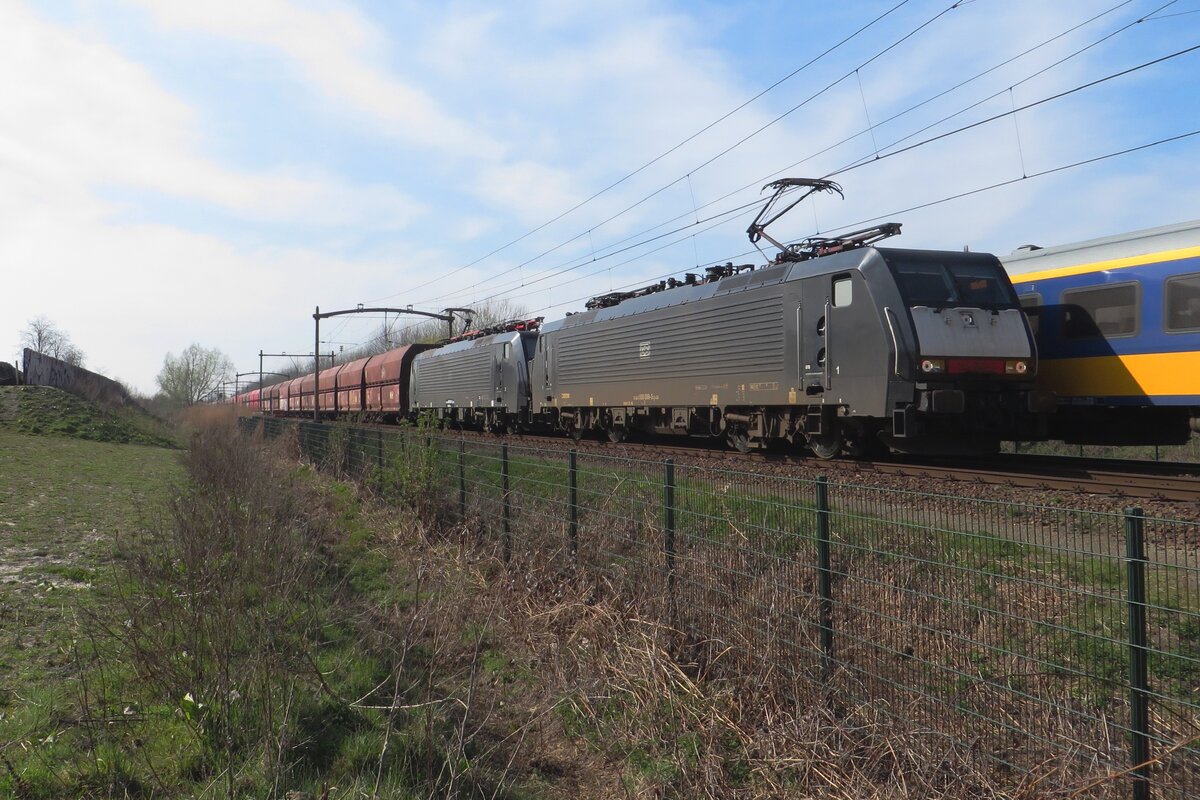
480,380
836,344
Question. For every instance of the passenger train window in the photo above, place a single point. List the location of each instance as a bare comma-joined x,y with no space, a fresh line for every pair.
1100,311
1031,304
843,291
1182,311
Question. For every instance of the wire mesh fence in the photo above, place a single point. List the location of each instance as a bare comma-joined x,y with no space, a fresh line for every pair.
1063,646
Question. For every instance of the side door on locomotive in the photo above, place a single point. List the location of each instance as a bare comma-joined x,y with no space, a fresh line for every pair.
844,351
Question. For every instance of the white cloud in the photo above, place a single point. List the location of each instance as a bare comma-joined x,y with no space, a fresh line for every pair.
128,293
339,53
90,118
535,192
570,96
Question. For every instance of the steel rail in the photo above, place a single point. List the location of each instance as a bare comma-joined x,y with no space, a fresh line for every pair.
1171,481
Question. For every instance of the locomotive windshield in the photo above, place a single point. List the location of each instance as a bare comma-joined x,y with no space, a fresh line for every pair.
940,282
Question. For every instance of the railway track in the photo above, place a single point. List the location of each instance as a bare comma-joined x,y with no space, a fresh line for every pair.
1159,482
1164,481
1169,481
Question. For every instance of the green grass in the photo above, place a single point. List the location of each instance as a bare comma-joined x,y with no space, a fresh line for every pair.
67,506
46,411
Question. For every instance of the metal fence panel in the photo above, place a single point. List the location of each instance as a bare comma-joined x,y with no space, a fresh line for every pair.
1061,645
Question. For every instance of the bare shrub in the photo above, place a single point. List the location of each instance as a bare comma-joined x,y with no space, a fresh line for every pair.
222,609
416,475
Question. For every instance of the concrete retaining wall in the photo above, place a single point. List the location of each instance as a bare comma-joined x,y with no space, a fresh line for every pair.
43,370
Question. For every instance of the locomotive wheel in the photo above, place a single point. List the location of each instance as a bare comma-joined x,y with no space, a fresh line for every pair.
616,435
575,432
826,446
738,438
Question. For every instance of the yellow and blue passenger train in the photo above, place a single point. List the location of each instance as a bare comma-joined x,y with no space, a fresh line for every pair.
1117,325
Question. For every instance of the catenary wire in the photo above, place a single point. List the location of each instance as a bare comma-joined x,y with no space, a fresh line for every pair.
709,161
1011,112
570,266
674,148
584,260
916,207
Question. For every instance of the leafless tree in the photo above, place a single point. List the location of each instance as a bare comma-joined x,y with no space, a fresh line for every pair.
42,335
188,378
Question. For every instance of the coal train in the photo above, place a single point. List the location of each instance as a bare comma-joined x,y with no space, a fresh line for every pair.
837,345
1117,324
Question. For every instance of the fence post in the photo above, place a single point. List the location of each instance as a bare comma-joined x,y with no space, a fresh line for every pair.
506,511
1139,701
669,532
462,480
824,576
573,519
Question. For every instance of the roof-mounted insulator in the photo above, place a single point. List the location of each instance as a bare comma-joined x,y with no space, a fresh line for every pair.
725,270
509,326
816,246
689,279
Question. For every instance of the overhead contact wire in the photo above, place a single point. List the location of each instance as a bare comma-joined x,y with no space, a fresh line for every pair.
924,102
568,266
720,154
671,150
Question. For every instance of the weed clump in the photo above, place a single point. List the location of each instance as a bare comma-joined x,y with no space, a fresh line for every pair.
223,609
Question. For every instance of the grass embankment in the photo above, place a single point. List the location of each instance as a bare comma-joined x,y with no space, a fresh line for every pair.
46,411
66,507
227,623
261,630
969,622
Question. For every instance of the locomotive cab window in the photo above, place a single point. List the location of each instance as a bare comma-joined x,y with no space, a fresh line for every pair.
843,291
1182,303
942,282
1031,304
1107,311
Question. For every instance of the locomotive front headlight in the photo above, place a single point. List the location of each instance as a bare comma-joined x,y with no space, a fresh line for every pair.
932,366
1018,367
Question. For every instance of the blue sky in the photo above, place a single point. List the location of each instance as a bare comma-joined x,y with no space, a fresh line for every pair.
180,171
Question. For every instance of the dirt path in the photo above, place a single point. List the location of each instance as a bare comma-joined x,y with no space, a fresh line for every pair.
9,397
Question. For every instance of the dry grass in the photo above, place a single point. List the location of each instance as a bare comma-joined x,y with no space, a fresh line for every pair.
201,417
533,675
649,698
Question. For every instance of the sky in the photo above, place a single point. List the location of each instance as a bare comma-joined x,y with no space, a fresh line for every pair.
175,172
